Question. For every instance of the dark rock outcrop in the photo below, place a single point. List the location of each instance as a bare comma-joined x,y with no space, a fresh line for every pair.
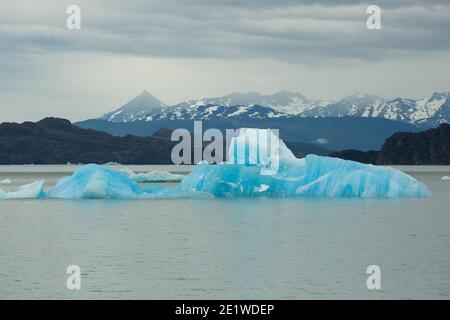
430,147
424,148
57,141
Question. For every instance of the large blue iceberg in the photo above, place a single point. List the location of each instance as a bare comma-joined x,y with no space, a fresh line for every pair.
317,177
252,173
259,165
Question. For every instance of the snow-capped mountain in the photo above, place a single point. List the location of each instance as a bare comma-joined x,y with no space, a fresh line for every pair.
431,111
357,105
135,109
428,112
284,101
215,111
145,107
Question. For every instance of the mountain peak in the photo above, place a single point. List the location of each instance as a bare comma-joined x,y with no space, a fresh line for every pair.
361,95
145,93
287,94
143,99
362,98
142,103
440,95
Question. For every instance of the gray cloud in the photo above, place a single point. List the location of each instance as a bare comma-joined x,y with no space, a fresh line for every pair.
307,35
284,30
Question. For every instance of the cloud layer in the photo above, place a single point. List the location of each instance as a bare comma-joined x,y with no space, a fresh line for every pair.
40,56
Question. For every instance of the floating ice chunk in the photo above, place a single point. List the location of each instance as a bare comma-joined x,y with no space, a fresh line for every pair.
318,177
112,163
34,190
5,181
445,178
313,176
152,176
100,182
333,177
95,182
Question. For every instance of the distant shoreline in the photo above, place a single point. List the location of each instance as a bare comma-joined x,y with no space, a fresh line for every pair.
181,169
63,168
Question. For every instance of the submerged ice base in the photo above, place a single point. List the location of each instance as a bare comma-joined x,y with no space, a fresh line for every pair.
245,175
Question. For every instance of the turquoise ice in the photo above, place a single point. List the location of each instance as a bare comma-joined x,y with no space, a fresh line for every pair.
34,190
100,182
316,177
271,172
152,176
247,174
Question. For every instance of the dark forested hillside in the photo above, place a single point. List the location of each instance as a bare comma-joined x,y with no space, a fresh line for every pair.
57,141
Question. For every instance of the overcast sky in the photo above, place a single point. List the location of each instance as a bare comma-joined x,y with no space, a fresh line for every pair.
188,49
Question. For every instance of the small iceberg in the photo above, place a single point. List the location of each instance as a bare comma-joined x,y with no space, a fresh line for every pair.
259,165
6,181
95,182
445,178
152,176
112,163
34,190
99,182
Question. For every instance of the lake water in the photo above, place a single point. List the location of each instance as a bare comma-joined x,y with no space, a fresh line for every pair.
224,249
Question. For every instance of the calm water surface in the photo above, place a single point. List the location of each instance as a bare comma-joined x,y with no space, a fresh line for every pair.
219,249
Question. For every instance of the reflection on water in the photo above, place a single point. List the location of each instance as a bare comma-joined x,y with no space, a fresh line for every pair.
258,248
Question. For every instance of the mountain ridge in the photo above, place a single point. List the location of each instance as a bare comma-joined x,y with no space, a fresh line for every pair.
426,112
